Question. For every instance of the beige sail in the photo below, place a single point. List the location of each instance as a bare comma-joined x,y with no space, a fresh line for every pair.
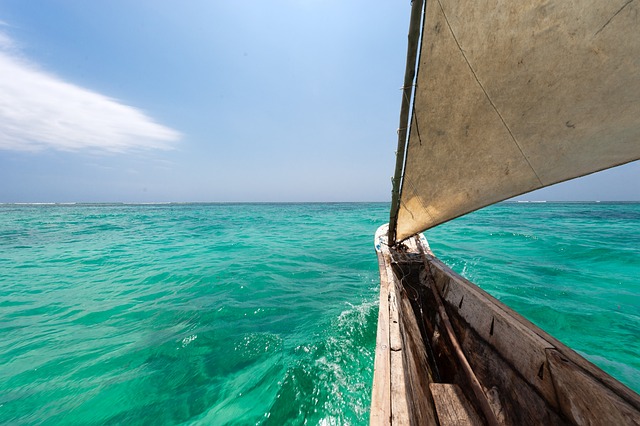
512,96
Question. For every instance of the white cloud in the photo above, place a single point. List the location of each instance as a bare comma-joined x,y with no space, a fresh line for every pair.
40,111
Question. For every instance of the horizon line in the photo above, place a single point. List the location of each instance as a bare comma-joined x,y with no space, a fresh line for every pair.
71,203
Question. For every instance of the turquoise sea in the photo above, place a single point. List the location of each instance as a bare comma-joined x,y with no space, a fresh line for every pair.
266,313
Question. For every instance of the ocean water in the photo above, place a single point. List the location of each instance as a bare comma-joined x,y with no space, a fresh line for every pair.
266,313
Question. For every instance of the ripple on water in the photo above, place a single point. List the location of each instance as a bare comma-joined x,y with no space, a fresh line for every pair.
171,314
266,314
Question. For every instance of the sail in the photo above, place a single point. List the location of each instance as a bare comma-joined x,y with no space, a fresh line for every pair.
512,96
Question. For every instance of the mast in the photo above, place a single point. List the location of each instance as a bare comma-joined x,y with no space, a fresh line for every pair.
407,91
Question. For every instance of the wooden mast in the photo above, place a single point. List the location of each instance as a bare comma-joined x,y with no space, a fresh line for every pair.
407,91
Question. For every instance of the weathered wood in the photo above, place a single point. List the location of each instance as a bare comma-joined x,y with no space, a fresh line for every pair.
585,401
528,376
471,379
452,406
417,370
523,345
405,107
409,372
514,400
395,339
522,348
399,406
381,392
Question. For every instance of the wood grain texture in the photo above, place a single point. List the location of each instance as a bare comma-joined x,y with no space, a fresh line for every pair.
583,400
528,376
400,414
381,391
511,356
523,349
417,370
452,406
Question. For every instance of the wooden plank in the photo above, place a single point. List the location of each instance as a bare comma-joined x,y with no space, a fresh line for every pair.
521,347
399,407
452,406
514,401
395,340
381,392
410,401
512,354
417,372
529,377
583,399
512,396
516,339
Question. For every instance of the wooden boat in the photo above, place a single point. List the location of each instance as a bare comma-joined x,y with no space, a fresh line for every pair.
509,97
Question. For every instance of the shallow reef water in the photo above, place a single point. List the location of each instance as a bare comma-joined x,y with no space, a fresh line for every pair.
267,313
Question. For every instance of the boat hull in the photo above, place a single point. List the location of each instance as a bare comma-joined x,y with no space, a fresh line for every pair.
526,376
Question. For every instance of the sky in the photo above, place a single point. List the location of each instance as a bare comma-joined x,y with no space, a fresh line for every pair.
212,101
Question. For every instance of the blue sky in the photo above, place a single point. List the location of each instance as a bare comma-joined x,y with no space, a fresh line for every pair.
287,100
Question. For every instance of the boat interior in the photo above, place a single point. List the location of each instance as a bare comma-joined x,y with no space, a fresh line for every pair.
448,353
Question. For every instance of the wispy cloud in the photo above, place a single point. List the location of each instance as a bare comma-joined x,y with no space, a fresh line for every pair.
41,111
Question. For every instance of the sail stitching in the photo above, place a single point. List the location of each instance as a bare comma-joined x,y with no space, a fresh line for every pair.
515,141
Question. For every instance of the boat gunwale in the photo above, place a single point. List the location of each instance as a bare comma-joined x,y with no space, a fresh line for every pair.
548,349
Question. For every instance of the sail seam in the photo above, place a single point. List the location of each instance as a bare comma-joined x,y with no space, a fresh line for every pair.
515,141
415,122
614,15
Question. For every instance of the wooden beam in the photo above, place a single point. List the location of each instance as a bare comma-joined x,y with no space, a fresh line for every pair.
452,406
